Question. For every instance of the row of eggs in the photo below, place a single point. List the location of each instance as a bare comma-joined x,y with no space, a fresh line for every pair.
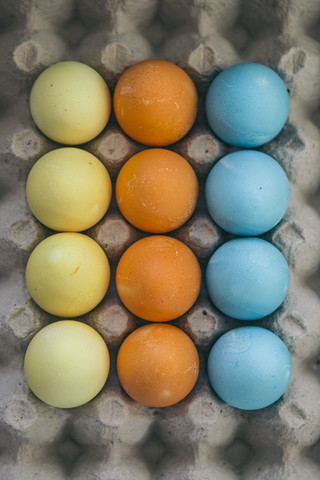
67,364
155,103
158,278
50,188
69,189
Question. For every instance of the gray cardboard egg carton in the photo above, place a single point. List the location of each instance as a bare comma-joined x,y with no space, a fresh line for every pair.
201,438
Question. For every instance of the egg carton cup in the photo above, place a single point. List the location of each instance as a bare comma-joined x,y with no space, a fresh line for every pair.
201,438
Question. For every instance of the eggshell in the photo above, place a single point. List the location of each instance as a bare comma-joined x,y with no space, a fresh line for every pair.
157,190
66,364
247,105
158,365
249,367
155,102
247,278
247,192
70,103
68,190
158,278
67,274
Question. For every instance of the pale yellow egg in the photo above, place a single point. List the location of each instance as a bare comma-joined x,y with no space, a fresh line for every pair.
66,364
70,103
69,190
68,274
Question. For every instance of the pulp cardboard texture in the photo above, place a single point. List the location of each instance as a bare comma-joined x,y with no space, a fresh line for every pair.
201,438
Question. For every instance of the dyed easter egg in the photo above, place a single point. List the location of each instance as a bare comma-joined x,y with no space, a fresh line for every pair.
249,367
247,278
247,105
247,192
70,103
68,274
158,365
68,190
155,102
66,364
157,190
158,278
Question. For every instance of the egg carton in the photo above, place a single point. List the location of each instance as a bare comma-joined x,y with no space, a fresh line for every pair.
201,438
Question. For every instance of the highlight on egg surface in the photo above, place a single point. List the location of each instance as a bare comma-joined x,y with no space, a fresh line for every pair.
247,278
158,365
247,105
70,103
249,367
157,190
66,364
68,190
158,278
247,192
155,102
68,274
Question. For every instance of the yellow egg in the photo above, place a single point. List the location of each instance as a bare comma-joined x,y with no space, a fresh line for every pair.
68,274
69,190
70,103
66,364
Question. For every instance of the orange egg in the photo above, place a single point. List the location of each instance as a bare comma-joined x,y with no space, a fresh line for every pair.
158,278
157,190
158,365
155,102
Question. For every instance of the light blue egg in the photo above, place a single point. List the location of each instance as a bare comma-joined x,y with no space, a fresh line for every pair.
247,105
247,192
249,367
247,278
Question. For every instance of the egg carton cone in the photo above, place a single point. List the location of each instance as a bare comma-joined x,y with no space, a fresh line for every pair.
200,438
